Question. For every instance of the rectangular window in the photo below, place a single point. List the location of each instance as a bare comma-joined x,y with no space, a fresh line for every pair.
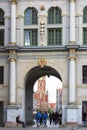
84,70
54,36
1,75
30,37
85,36
2,37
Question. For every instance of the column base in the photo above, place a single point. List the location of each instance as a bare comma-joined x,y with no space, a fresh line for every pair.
71,114
11,125
12,112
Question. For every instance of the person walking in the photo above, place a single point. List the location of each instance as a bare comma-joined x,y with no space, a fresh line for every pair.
19,121
38,116
45,117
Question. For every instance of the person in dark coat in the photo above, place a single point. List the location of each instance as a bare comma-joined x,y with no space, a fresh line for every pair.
19,121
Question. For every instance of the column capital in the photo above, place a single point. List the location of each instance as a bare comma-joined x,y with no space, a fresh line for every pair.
72,58
13,43
13,1
72,54
72,1
72,42
72,51
12,56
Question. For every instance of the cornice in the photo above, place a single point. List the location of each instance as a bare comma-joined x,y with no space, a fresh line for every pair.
42,48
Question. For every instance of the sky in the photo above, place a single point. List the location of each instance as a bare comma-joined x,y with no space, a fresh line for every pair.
52,83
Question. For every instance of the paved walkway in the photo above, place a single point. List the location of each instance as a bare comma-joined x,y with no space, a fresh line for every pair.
47,128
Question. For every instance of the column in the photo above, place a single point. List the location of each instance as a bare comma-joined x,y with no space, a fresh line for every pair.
72,21
72,59
13,21
12,98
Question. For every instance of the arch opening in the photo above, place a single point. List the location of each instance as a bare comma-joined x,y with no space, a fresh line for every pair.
32,76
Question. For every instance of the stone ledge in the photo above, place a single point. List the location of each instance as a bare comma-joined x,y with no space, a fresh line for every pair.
11,124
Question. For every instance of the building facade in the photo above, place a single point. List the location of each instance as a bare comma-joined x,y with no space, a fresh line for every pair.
41,95
40,38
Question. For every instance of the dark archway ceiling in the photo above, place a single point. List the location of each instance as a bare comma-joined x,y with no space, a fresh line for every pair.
35,73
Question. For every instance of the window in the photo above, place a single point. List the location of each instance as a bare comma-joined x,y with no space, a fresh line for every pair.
30,16
54,15
1,37
85,15
84,74
1,74
85,36
54,26
30,37
54,36
1,17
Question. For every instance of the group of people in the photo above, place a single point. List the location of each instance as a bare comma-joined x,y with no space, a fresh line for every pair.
56,118
41,118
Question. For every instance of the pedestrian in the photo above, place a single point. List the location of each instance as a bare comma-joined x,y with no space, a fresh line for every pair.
45,117
38,117
50,118
19,121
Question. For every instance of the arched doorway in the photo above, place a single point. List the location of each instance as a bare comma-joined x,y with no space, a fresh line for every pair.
32,76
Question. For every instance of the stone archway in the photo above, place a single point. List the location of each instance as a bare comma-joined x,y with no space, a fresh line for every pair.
32,76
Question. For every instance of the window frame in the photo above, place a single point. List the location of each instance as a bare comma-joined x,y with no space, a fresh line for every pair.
2,37
54,15
31,36
54,41
1,74
31,16
2,20
84,81
85,14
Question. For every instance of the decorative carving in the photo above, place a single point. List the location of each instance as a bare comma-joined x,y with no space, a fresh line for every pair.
13,1
12,56
42,62
72,1
42,7
54,3
42,29
72,54
72,58
72,51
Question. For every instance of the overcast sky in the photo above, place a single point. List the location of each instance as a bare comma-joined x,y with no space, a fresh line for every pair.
52,83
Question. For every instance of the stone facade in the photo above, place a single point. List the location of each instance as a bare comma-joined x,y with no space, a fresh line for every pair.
21,68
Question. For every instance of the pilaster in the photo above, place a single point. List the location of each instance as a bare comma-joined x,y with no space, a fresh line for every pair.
12,85
72,59
72,21
13,21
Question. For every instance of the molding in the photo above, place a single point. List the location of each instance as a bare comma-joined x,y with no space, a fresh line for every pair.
65,48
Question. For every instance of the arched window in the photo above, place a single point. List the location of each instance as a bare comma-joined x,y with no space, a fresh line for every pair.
30,33
54,26
1,17
54,15
85,15
30,16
